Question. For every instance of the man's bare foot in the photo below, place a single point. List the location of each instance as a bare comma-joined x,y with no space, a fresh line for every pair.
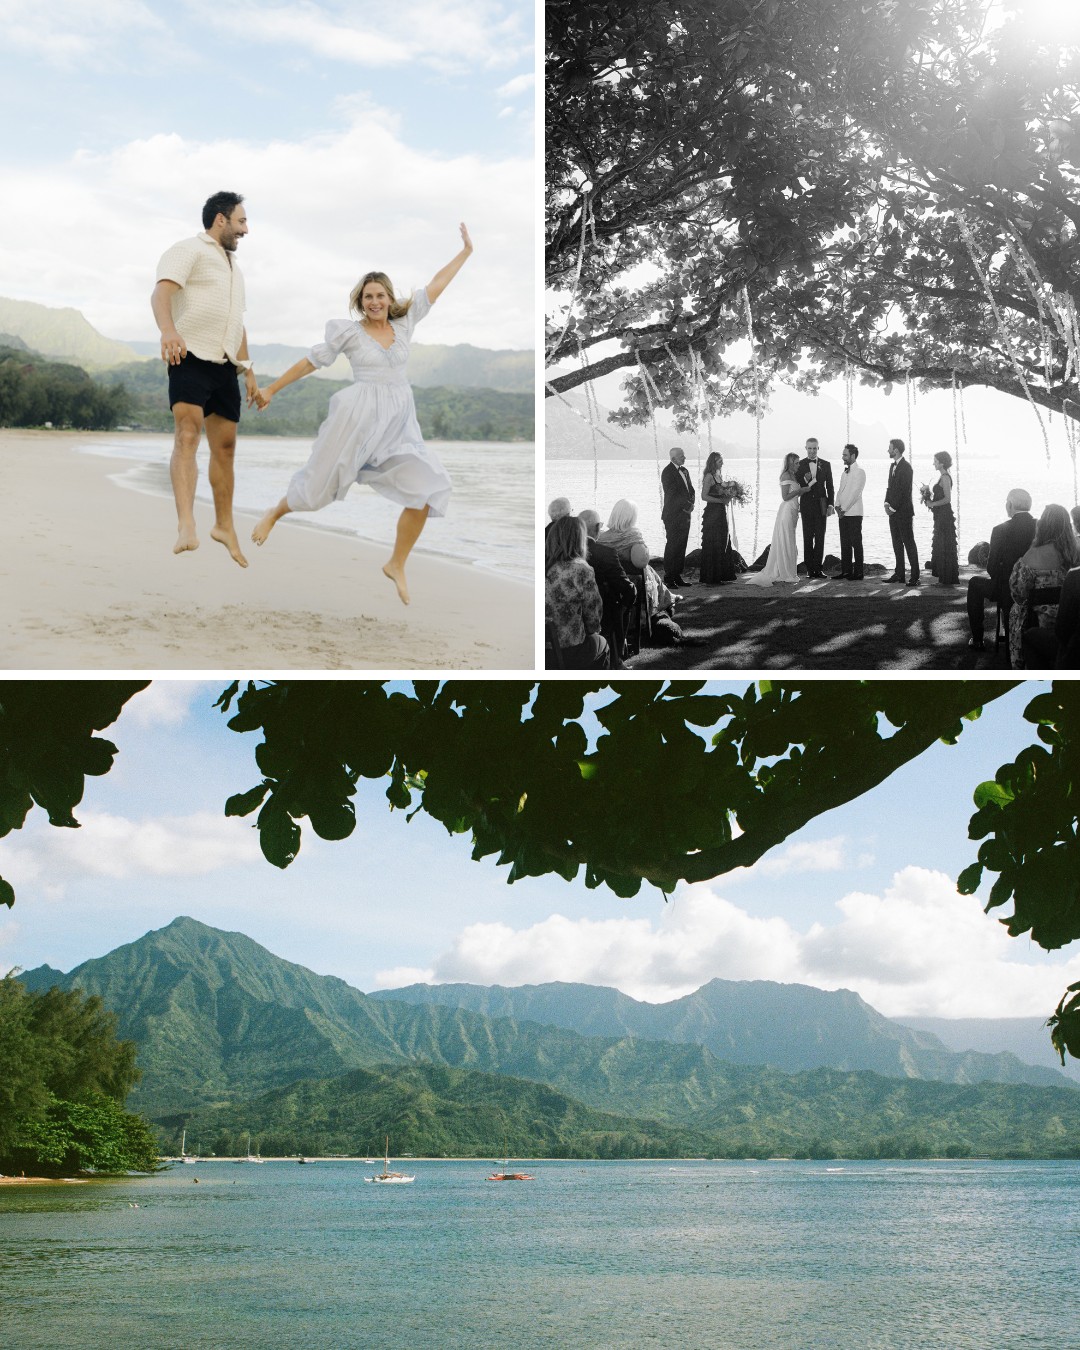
229,539
397,576
261,532
186,540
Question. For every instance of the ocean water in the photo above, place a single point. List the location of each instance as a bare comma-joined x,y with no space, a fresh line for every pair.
982,486
490,523
746,1255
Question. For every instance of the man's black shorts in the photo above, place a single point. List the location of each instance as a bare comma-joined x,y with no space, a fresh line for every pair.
210,385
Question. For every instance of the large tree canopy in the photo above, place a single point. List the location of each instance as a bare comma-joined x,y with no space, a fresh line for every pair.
887,189
545,776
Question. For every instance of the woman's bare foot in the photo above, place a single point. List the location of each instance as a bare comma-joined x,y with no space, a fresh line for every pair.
230,541
397,576
186,540
261,532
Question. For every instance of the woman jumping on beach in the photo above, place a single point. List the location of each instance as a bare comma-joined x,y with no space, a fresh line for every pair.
371,434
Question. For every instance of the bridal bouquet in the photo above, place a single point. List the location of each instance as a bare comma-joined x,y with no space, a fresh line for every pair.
925,495
737,493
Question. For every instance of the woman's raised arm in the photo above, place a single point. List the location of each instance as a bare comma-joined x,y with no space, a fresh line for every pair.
445,275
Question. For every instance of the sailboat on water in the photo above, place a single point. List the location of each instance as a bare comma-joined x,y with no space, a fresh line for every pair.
249,1157
504,1173
186,1157
386,1176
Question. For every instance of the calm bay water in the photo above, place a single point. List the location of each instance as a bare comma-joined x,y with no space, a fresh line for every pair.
982,487
490,521
755,1255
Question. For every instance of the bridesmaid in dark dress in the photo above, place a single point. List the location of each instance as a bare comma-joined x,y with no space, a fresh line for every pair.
944,559
717,559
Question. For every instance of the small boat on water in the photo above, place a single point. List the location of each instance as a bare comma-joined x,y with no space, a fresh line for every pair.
386,1177
249,1157
510,1176
184,1156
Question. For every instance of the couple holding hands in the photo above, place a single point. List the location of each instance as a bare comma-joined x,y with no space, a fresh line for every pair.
370,434
806,490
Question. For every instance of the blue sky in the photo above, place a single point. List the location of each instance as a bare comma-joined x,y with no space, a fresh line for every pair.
861,898
359,134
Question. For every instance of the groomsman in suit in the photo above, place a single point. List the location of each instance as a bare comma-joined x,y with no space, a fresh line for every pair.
676,514
849,510
1008,541
815,506
901,512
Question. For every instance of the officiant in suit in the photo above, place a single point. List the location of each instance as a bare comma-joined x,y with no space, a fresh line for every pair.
815,506
900,509
676,514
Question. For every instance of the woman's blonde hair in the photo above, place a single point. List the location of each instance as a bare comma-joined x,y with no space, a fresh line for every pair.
623,515
791,455
398,308
1055,527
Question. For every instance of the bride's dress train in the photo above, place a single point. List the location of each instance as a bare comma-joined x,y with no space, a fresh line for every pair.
783,558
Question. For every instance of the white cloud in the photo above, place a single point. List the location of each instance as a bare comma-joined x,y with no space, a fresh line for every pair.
164,703
107,846
447,35
520,84
64,33
322,210
821,855
400,976
918,949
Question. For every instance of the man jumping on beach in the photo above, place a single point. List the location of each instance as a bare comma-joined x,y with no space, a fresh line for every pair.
198,305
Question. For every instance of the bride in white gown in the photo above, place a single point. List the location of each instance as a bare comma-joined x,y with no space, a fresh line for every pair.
782,554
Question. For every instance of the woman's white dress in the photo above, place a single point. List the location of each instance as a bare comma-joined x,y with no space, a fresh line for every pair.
371,434
783,557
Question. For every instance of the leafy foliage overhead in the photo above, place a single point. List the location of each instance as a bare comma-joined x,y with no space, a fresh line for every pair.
893,186
555,777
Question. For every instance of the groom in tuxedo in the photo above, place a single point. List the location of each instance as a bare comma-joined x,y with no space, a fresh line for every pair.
815,506
676,514
900,509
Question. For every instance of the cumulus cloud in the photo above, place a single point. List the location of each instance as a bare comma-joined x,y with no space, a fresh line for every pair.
163,703
108,846
918,949
322,210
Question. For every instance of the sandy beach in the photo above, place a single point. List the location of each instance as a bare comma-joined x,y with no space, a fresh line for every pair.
90,582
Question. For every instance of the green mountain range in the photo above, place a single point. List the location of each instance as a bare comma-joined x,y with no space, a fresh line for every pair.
228,1033
792,1027
67,334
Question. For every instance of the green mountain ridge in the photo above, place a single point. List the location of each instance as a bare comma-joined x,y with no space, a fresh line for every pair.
220,1023
755,1022
434,1110
66,334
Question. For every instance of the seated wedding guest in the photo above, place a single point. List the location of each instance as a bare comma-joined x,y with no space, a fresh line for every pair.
1057,647
623,535
572,603
1053,551
617,591
559,508
1008,541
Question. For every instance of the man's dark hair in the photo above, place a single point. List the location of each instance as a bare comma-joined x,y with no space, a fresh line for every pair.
898,443
853,450
224,203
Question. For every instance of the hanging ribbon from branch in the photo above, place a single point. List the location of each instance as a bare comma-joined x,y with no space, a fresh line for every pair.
969,240
757,415
651,389
587,223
